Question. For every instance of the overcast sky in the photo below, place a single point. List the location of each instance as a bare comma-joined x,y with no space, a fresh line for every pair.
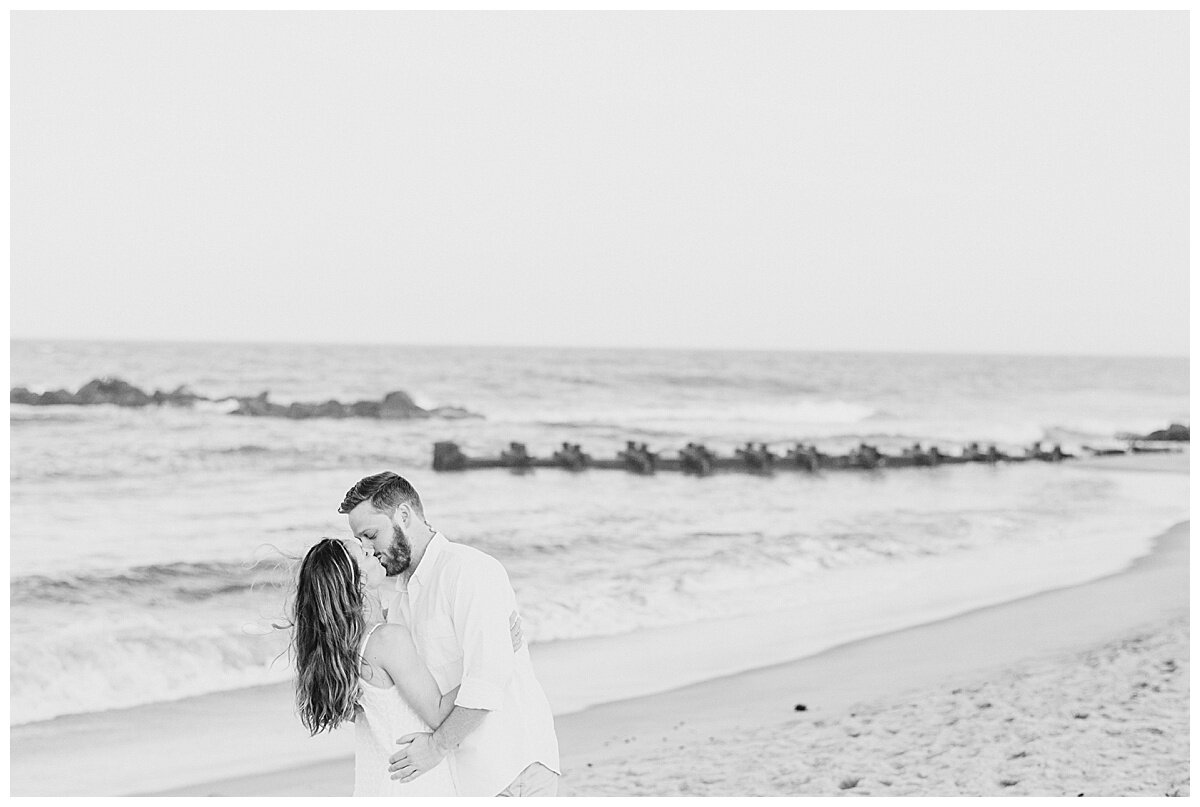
991,182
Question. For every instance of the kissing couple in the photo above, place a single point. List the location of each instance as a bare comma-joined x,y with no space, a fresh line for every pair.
440,685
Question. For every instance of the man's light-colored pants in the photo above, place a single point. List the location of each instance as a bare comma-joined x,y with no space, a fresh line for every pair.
536,780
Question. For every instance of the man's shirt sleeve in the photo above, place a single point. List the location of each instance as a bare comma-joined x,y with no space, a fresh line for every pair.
482,604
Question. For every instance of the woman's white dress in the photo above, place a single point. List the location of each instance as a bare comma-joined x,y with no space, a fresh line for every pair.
382,718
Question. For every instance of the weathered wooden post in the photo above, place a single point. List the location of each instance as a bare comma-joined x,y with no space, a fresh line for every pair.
448,457
516,456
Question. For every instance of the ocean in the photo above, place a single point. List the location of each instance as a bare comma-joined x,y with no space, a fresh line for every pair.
152,549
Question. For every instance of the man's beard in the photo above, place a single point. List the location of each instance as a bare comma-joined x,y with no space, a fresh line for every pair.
398,556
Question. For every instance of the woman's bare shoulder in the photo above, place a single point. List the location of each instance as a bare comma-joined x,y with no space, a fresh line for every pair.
390,640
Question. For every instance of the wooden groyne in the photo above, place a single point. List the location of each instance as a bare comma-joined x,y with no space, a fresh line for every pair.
751,458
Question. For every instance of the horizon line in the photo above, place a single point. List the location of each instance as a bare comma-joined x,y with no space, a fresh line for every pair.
638,348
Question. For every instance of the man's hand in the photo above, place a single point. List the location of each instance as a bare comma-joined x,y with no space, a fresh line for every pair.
514,628
418,754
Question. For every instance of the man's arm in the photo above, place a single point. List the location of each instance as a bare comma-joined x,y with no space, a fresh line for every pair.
456,727
421,752
488,627
412,760
482,613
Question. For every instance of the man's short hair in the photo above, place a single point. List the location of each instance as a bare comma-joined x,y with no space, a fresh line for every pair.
385,491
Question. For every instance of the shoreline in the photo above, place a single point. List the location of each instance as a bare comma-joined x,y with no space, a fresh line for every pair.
1074,619
145,749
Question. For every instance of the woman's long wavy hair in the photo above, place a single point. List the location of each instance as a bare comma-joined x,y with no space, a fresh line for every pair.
328,625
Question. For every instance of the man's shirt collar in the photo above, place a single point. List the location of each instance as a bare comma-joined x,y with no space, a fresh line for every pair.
436,546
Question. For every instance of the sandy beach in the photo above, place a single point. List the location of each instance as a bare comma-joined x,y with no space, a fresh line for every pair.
1112,721
1082,689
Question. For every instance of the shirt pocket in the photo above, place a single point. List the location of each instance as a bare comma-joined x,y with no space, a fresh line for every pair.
443,654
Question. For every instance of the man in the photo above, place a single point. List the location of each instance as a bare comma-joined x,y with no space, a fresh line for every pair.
456,601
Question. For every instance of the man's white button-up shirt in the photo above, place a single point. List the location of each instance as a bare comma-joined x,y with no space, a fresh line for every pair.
457,606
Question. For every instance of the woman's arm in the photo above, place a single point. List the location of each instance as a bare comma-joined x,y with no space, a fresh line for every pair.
392,649
446,707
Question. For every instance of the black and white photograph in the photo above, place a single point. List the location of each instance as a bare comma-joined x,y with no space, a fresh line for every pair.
559,403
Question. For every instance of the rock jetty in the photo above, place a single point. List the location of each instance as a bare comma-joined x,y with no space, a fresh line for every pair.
97,391
117,392
394,406
1175,433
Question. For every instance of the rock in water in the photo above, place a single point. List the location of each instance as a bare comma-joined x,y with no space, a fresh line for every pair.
399,406
365,409
330,409
1176,431
20,395
111,391
59,397
396,405
97,391
180,396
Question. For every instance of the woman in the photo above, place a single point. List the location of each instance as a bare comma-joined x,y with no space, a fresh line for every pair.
350,665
